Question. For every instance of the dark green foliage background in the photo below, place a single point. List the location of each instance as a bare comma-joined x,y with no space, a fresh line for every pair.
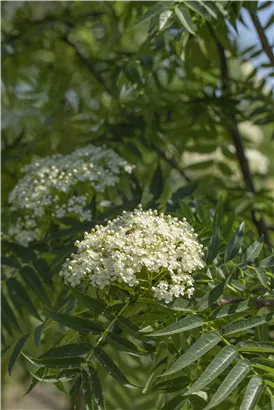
113,73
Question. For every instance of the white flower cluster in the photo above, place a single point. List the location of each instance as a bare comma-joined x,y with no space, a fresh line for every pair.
52,185
158,252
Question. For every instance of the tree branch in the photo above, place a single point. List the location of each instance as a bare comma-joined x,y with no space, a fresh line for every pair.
263,39
233,130
88,64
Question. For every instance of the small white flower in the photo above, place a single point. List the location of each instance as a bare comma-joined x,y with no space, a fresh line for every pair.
139,247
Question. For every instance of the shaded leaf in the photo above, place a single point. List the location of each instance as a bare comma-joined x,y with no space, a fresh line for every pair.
16,351
110,366
70,350
32,280
19,292
63,376
96,389
76,323
61,363
157,183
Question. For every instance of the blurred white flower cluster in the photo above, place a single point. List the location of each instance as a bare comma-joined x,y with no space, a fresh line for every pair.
53,188
155,251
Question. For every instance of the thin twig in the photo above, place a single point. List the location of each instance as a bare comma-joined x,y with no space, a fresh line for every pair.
88,64
258,302
172,162
238,143
263,39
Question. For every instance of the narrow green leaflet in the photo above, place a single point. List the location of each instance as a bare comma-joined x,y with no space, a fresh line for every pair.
262,275
252,393
234,244
163,19
43,270
253,347
111,367
155,10
174,404
180,304
9,313
244,324
215,368
212,296
61,363
75,322
254,250
264,364
195,6
197,350
33,282
96,389
19,292
96,305
182,325
40,373
233,379
124,345
157,183
16,351
213,245
209,8
71,350
63,376
87,390
75,388
37,334
185,18
267,262
229,309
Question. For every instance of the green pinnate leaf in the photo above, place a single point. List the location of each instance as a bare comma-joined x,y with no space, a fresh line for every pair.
215,368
